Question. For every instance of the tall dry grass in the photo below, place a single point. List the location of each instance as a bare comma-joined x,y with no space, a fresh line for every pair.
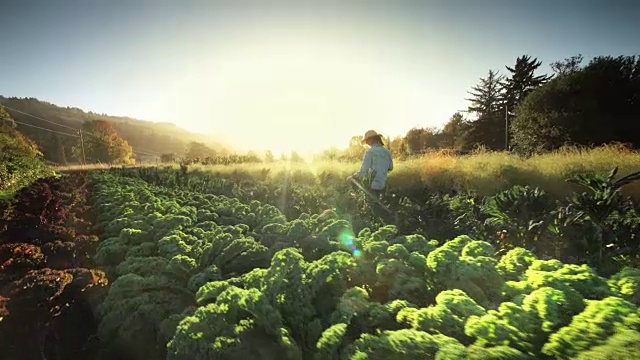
490,172
484,172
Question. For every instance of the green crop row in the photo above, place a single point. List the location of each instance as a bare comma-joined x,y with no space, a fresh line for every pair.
202,276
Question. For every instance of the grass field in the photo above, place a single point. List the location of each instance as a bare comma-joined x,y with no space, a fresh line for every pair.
485,173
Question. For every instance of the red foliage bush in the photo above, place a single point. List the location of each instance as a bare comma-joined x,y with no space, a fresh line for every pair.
48,292
17,259
43,300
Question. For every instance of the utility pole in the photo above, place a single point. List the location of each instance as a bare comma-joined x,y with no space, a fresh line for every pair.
506,127
84,160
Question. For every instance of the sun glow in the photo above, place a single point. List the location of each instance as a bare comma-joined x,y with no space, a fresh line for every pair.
285,93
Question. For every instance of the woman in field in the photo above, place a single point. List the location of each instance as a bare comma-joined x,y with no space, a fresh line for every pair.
377,160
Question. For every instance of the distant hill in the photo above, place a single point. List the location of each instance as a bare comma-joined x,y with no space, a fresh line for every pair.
146,137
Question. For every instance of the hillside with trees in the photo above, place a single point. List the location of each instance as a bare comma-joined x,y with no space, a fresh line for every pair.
147,139
20,159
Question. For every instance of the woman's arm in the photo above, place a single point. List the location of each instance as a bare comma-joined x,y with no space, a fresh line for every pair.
367,162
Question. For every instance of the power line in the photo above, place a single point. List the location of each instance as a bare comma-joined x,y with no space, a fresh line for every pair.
41,128
78,136
142,152
33,116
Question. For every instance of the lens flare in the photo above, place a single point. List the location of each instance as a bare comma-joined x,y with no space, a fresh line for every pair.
347,237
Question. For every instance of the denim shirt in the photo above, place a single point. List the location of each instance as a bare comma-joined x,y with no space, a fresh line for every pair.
379,160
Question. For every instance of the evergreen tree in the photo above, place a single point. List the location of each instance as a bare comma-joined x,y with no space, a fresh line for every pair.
521,82
488,129
486,95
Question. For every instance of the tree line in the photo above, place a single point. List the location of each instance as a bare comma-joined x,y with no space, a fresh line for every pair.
199,153
527,113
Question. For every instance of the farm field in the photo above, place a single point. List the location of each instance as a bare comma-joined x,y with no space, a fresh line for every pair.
399,180
179,263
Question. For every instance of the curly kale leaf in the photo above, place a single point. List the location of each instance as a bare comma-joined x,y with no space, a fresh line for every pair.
241,324
592,327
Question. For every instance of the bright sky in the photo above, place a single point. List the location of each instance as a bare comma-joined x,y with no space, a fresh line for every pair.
290,75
